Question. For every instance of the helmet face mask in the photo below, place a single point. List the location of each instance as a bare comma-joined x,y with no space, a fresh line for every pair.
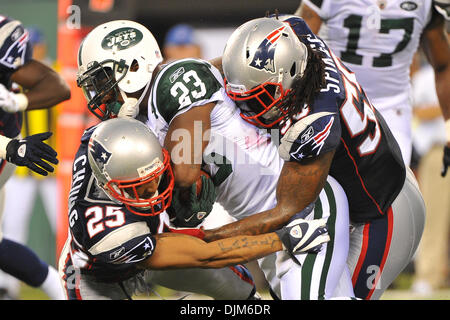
130,166
126,191
101,88
259,105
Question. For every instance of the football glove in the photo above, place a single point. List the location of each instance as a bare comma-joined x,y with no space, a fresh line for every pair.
446,161
199,207
31,152
12,102
301,236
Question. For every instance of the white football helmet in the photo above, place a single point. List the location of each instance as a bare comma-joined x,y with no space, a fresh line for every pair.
124,154
260,62
117,57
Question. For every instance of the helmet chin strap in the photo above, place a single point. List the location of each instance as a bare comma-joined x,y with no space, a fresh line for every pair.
272,114
129,100
280,81
106,192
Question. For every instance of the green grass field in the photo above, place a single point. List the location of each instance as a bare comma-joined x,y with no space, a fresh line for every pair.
401,293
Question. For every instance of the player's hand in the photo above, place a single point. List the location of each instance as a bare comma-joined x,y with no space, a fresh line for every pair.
302,236
8,100
194,212
445,160
31,152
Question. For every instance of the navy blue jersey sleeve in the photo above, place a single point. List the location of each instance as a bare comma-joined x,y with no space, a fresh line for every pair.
134,250
15,49
108,231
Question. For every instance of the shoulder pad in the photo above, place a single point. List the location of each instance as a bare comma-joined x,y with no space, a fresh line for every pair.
15,49
87,133
128,244
309,134
183,84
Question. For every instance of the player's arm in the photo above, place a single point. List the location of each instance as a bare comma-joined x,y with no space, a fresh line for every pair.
44,88
187,137
298,186
183,251
217,62
311,18
436,46
185,103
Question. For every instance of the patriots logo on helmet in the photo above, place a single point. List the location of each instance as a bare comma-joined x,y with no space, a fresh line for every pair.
99,153
264,55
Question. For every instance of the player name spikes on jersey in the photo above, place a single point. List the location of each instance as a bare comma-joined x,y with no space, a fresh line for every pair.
359,141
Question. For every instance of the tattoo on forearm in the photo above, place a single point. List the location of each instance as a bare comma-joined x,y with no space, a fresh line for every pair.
247,243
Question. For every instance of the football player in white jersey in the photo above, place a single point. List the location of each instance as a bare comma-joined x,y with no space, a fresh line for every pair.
201,128
377,41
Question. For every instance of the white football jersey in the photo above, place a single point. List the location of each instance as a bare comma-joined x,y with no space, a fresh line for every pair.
377,40
243,160
240,158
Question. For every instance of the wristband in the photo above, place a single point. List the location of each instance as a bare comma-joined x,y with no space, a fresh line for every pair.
22,101
3,143
194,232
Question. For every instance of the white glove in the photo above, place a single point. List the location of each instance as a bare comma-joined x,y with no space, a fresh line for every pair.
129,109
12,102
301,236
